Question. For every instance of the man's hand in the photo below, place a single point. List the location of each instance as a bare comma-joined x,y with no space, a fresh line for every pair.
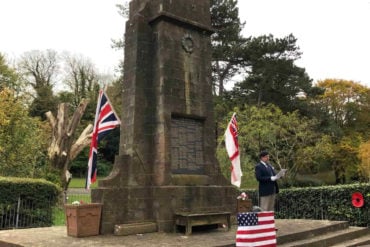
274,178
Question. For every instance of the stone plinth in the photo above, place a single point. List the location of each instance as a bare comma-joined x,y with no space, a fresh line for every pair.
159,203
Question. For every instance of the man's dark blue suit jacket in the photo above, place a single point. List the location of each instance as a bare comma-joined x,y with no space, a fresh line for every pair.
263,174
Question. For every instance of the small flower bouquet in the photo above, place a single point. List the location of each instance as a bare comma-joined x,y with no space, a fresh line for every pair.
243,196
243,203
77,202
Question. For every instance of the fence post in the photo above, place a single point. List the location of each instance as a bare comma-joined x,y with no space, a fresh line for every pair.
18,208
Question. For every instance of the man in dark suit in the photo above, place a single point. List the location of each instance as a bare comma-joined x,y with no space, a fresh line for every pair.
266,177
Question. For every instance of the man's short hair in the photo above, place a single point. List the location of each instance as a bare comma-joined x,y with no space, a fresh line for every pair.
263,154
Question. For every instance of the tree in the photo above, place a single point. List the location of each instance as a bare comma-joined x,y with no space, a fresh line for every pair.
292,140
81,78
347,105
226,42
64,147
84,80
345,161
272,76
114,91
8,76
123,10
119,44
22,139
39,70
364,156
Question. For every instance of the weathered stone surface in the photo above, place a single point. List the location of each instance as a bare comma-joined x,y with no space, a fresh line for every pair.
166,158
136,228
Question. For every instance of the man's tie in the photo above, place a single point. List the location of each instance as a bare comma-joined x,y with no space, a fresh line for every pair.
270,170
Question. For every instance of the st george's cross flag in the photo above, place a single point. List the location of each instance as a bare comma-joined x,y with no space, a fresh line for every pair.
105,120
256,229
232,148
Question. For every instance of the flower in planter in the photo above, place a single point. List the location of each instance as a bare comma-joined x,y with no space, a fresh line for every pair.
76,203
242,196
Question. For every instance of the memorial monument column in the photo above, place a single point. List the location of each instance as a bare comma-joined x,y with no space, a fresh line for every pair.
166,160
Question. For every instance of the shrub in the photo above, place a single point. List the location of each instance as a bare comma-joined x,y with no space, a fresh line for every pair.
26,202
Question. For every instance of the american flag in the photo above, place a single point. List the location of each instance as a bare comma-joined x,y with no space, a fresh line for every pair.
232,148
105,120
256,229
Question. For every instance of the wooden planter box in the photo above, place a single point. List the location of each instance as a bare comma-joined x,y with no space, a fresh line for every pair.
244,205
83,220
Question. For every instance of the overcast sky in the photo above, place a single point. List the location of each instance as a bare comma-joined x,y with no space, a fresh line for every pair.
333,35
79,26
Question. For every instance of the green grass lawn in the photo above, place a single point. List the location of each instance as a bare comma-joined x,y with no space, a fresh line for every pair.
59,217
80,183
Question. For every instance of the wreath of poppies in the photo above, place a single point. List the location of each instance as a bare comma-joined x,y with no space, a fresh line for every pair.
357,200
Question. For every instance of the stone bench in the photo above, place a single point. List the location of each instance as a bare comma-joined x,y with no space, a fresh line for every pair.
190,219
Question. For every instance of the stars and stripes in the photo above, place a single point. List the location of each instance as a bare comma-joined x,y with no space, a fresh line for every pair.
105,120
256,229
232,148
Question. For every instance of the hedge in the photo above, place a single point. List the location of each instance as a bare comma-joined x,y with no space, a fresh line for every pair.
325,202
26,202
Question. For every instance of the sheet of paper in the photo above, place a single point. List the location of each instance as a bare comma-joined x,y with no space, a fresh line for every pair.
281,173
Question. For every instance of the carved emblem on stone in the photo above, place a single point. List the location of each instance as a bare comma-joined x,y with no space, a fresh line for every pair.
187,43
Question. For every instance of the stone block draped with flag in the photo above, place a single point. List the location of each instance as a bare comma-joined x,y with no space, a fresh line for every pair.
105,120
256,229
232,148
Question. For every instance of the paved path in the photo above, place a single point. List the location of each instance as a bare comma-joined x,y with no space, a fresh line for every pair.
57,237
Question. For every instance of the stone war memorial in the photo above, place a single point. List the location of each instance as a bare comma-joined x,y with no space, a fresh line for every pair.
166,168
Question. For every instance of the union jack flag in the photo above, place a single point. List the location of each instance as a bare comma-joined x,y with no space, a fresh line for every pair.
232,148
105,120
